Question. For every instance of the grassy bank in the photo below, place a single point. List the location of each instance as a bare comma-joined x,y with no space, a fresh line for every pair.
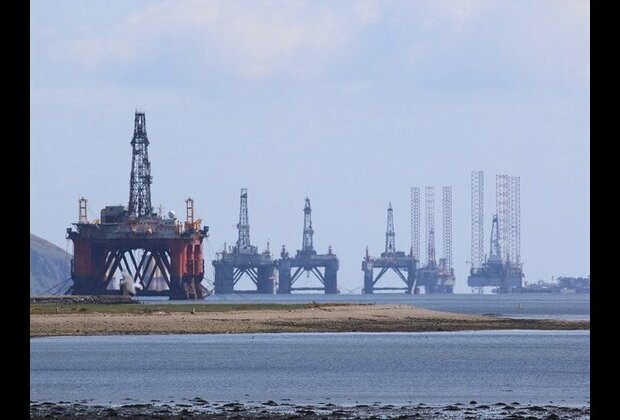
145,309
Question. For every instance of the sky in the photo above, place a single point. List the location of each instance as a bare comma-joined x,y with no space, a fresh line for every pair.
349,103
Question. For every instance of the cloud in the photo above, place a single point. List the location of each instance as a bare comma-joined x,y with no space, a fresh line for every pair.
485,43
254,39
555,40
444,44
459,14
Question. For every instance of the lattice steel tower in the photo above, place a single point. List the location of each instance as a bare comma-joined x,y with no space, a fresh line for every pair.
502,197
429,196
477,219
390,240
447,225
243,242
515,219
140,181
415,222
307,245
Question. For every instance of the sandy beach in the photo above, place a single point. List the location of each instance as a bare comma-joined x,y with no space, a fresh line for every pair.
185,319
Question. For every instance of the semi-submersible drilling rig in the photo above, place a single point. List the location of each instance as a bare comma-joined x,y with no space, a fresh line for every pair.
162,254
243,259
307,260
391,259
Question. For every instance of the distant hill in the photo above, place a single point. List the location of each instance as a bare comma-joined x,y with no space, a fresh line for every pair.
50,265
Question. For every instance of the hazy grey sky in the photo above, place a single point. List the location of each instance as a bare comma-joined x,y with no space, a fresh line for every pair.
350,103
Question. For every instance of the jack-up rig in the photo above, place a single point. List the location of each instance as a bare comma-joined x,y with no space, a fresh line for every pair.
503,268
162,255
244,259
436,277
308,261
390,259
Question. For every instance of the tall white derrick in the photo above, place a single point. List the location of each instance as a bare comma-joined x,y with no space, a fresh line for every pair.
429,209
447,225
515,219
502,207
477,219
415,222
508,204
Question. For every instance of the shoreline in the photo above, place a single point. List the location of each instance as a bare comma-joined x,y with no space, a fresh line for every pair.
201,408
47,320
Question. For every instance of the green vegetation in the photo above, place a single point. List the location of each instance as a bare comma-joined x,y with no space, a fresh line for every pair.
73,308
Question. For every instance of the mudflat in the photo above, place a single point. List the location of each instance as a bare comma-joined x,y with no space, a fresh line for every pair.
49,319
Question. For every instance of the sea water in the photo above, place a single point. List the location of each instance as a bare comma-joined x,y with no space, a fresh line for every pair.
341,368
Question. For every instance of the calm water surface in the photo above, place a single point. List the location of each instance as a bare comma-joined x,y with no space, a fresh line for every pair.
574,306
342,368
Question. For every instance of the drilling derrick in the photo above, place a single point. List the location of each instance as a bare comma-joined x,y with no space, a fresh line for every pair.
162,256
390,246
140,179
502,269
243,227
307,261
397,261
243,259
495,251
430,249
307,246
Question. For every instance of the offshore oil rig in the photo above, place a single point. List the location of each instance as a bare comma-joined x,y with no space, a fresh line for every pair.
434,276
390,259
502,269
243,259
162,255
308,261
